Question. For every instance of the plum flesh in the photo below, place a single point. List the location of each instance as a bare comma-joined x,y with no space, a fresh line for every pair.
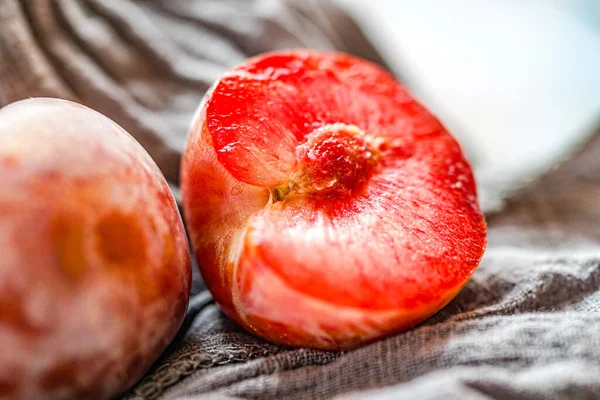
326,207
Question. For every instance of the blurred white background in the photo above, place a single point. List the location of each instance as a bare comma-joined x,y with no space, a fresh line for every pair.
518,81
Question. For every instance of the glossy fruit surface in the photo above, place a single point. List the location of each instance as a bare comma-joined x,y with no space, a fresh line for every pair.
94,267
327,207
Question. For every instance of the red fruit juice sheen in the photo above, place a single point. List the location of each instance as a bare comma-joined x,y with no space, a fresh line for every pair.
327,208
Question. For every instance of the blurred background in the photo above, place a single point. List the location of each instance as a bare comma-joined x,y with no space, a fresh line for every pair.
518,81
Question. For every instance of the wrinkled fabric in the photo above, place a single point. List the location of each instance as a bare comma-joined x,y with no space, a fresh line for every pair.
525,326
147,63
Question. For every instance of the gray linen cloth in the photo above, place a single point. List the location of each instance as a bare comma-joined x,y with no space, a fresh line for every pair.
526,326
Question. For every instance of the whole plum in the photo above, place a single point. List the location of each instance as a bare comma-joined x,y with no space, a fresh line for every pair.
94,268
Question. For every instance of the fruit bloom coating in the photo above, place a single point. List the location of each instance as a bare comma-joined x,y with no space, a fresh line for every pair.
95,270
326,207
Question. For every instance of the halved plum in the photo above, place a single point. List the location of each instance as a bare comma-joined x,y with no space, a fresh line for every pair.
326,207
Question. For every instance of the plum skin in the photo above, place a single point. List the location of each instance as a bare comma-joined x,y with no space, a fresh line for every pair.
95,271
262,208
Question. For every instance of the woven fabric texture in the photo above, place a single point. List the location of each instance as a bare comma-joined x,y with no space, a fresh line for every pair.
527,324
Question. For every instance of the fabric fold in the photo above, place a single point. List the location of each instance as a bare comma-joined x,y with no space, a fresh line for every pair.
525,325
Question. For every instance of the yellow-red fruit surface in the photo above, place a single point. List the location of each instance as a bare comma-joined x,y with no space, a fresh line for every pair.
95,270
